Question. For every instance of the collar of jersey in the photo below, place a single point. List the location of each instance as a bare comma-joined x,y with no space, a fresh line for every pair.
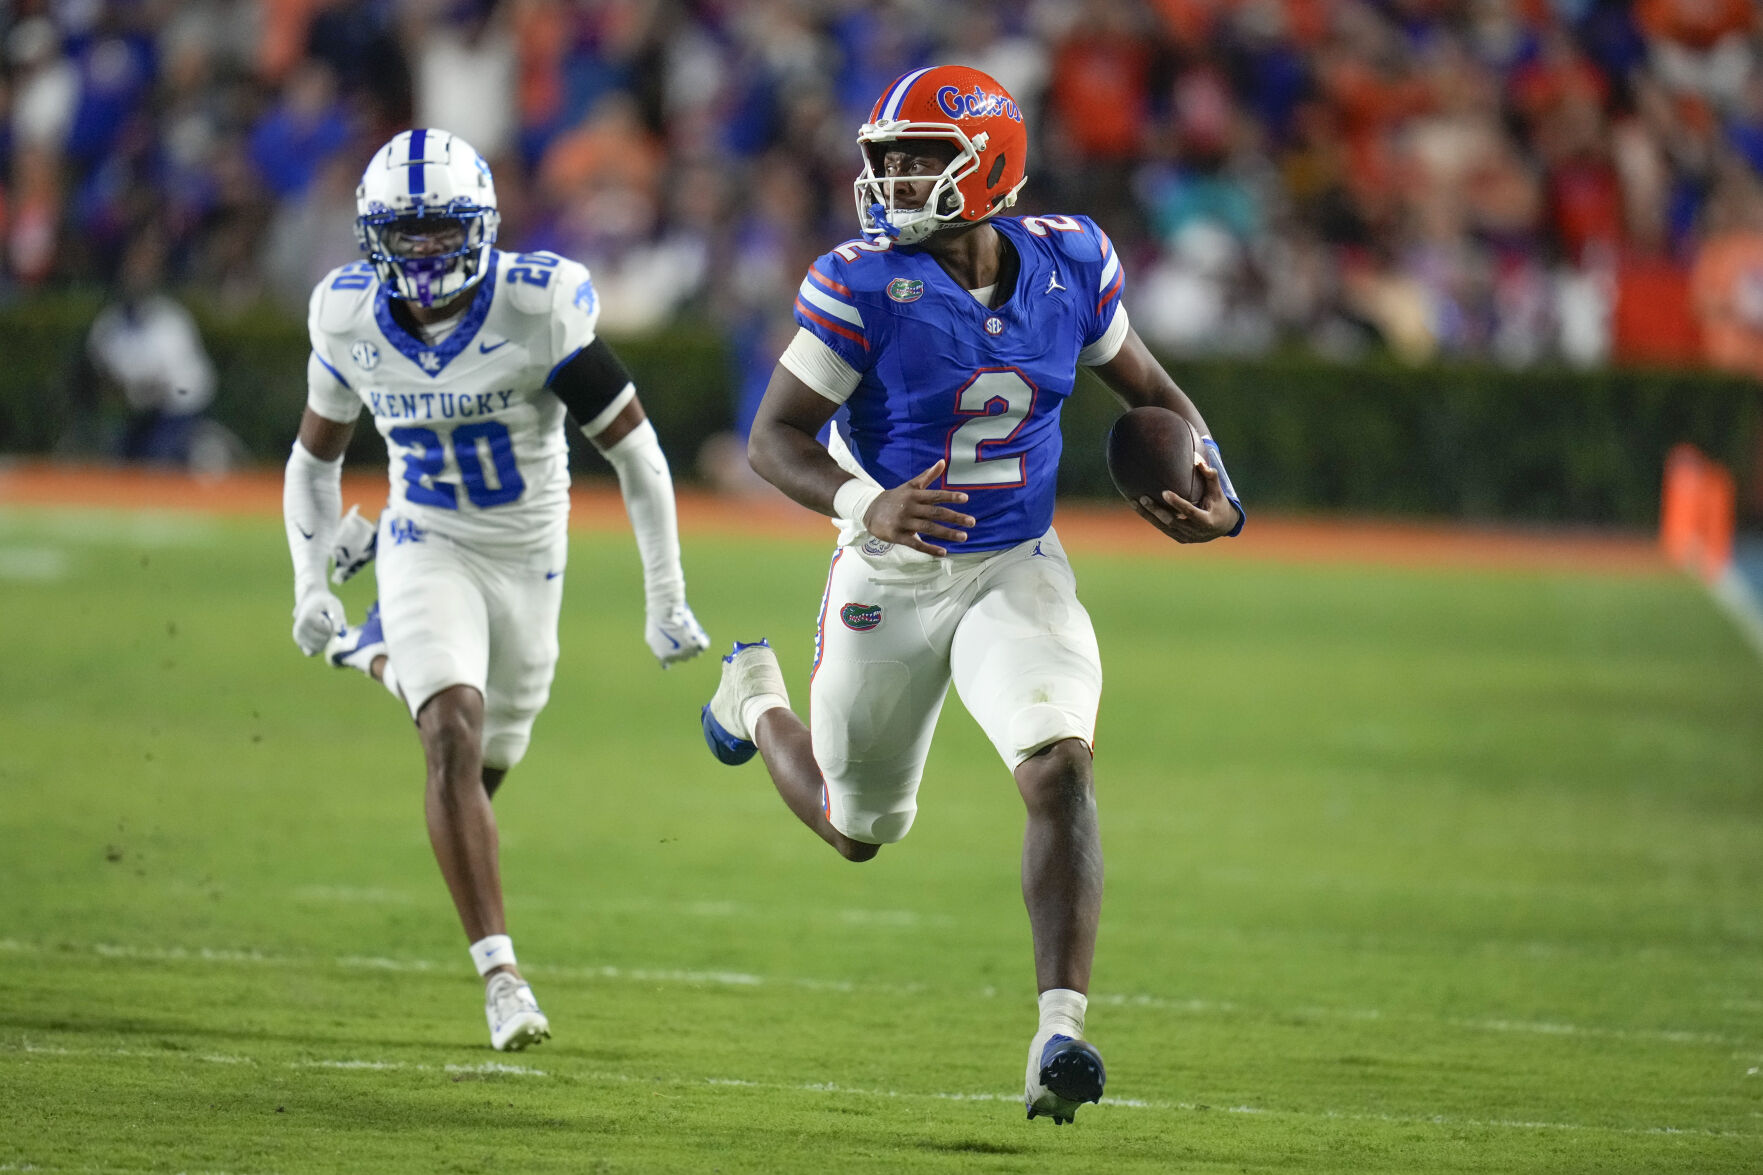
412,347
937,274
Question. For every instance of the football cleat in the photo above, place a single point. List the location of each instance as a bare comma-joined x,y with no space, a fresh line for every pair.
513,1014
358,647
1067,1074
749,670
357,542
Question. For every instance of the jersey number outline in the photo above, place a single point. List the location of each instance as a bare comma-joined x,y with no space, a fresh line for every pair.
425,460
968,467
533,268
357,275
1038,225
850,249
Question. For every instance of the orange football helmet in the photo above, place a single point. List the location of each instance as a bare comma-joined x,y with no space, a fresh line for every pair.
959,105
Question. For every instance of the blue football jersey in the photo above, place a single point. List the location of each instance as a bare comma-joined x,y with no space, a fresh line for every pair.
944,377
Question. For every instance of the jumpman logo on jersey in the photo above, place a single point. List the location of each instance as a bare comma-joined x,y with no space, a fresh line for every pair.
1037,550
1052,284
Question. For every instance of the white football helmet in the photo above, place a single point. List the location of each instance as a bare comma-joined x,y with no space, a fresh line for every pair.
426,215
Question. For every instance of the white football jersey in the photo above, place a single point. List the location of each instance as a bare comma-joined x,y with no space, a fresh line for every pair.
473,433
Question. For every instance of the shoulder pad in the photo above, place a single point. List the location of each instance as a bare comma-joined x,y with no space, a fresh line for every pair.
537,283
341,297
863,265
1076,237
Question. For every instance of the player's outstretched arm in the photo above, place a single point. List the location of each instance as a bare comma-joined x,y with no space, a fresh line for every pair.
629,443
1137,378
783,450
312,500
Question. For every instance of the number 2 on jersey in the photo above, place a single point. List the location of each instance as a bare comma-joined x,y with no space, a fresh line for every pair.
425,459
967,467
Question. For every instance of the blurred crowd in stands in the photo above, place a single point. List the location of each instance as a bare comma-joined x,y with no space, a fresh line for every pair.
1521,181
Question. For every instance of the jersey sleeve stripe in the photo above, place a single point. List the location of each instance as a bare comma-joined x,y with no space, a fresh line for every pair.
552,374
332,370
835,286
829,324
840,310
1109,294
1109,271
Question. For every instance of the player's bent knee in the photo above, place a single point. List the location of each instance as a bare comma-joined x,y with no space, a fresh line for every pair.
1057,777
1037,729
857,851
505,749
870,826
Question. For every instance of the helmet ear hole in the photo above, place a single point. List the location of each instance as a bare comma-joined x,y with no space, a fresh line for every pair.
997,170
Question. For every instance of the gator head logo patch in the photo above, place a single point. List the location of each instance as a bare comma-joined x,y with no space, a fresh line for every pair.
860,617
905,289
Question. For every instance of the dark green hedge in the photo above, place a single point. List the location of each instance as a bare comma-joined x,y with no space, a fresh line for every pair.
1472,442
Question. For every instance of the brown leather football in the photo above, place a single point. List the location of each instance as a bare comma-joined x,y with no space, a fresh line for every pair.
1151,450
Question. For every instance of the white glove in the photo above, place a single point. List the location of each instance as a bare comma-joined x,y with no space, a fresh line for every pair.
357,540
674,634
317,617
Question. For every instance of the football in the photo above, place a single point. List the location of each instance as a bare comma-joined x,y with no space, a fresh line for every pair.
1151,450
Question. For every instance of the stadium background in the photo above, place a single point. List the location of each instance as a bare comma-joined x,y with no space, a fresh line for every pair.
1494,256
1432,846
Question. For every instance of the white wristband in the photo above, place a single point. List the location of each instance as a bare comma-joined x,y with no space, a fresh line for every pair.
853,500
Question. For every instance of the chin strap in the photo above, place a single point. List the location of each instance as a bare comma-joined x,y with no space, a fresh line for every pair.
879,216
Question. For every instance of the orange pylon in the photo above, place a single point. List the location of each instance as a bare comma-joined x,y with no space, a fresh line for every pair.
1697,512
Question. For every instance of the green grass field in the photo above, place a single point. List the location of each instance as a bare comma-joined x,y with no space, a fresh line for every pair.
1407,872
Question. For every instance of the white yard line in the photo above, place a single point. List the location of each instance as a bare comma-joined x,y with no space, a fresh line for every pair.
748,980
1739,601
1108,1105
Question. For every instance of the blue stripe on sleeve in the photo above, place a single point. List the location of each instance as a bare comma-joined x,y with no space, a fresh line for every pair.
562,361
332,370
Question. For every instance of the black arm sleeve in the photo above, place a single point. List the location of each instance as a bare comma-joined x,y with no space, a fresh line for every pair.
591,379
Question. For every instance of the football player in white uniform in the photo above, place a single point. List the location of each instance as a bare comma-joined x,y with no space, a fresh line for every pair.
467,357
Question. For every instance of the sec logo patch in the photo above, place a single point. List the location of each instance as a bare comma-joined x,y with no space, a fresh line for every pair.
994,325
904,289
365,354
860,617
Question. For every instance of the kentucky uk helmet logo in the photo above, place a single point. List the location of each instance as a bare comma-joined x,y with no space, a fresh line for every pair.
905,289
860,617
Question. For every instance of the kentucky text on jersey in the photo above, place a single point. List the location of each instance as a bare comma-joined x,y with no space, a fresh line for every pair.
433,405
473,431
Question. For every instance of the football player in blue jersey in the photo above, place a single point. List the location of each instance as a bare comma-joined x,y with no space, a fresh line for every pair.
952,336
468,358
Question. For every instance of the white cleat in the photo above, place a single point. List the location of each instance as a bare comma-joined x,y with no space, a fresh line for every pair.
1063,1074
513,1013
747,672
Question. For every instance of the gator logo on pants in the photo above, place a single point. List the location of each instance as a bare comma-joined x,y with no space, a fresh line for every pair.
860,617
